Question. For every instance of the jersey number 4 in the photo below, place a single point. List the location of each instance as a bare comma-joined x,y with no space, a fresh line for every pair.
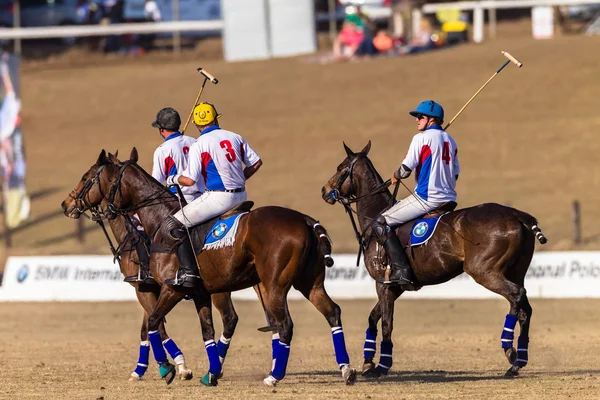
226,145
446,153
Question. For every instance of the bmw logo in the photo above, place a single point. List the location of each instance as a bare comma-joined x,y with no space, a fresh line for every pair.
219,230
420,229
23,273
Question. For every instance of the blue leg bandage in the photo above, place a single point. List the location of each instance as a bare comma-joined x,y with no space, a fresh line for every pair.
173,350
157,347
370,343
142,364
508,333
274,348
283,354
214,364
222,347
385,357
522,351
339,345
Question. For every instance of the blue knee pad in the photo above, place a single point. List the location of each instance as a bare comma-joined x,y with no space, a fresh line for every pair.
339,345
508,333
142,364
522,351
370,343
385,357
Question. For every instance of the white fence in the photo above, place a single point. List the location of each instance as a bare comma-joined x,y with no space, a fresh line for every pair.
96,278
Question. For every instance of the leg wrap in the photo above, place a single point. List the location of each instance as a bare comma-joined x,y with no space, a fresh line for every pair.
370,343
385,357
142,364
214,364
283,354
508,333
157,347
339,345
222,347
522,351
174,351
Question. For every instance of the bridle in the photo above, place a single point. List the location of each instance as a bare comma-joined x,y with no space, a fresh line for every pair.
347,201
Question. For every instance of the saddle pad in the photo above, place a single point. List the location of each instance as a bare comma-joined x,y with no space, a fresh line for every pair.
423,229
222,233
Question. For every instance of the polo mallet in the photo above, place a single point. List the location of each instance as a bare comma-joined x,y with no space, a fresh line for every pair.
267,328
510,59
207,77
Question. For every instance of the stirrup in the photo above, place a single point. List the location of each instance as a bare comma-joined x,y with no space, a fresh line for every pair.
402,281
184,279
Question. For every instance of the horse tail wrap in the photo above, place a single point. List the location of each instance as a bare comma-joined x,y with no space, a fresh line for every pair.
324,243
530,222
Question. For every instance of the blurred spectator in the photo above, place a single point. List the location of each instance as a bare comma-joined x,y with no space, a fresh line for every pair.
347,42
151,14
422,40
384,43
115,11
88,13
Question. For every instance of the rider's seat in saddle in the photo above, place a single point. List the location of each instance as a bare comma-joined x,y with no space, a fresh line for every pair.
403,231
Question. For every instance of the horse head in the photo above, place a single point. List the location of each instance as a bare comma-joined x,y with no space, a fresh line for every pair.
99,183
345,182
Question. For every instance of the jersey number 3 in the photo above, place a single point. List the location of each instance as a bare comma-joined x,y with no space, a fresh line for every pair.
226,145
446,153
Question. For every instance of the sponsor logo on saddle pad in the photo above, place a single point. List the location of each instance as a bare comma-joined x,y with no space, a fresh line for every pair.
222,233
422,230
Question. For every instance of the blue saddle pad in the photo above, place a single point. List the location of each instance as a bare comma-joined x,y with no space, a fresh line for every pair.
423,230
220,229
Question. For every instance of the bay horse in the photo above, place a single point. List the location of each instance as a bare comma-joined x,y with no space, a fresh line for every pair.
492,243
275,246
130,261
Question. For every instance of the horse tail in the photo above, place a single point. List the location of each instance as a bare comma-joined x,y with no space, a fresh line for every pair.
324,242
530,222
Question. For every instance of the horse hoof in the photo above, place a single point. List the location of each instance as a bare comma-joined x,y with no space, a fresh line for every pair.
134,377
167,372
270,381
369,371
512,372
186,374
209,380
511,355
349,375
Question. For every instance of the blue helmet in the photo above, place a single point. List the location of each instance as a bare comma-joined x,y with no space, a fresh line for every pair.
429,108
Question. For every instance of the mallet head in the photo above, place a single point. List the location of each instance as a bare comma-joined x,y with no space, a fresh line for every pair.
208,75
512,59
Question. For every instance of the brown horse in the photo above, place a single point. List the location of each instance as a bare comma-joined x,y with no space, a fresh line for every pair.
492,243
130,263
276,246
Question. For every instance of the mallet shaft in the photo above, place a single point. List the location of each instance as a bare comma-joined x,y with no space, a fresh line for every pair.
195,104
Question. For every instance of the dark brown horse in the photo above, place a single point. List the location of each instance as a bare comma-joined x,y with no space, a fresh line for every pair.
275,246
492,243
130,264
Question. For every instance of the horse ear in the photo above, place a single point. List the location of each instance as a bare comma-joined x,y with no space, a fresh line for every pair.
101,158
116,153
134,154
348,151
367,148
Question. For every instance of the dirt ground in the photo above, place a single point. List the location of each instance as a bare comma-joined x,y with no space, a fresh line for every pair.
443,350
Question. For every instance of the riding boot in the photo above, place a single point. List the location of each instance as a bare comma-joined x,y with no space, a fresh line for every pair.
187,275
400,269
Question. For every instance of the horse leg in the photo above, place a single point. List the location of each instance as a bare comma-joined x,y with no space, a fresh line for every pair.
333,314
223,303
185,373
204,309
167,299
370,346
144,356
387,296
525,312
277,307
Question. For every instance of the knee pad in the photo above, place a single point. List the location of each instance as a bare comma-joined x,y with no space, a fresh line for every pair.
380,228
173,228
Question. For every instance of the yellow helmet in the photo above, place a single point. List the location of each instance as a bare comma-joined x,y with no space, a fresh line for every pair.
205,113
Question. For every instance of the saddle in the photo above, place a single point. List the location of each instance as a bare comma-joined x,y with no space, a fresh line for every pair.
404,230
198,233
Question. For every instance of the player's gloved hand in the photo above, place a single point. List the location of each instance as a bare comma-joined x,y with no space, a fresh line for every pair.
172,180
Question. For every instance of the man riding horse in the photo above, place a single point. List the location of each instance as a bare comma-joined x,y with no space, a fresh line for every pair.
216,161
434,155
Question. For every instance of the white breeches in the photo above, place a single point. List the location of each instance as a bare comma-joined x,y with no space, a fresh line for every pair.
409,208
208,205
